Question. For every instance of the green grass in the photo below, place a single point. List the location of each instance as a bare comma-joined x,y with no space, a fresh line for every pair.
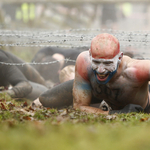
23,127
26,128
68,136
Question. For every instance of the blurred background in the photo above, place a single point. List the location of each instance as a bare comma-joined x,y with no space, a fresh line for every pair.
66,14
30,25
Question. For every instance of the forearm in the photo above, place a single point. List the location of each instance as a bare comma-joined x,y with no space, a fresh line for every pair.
32,74
89,109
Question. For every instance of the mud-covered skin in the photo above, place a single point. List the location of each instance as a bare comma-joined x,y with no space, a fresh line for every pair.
17,76
128,86
61,96
29,72
125,86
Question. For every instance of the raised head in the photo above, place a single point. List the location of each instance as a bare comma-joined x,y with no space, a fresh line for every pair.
104,46
105,56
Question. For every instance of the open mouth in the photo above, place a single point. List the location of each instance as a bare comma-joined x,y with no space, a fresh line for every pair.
102,77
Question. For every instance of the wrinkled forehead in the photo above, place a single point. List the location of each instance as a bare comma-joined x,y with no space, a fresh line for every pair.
104,46
113,60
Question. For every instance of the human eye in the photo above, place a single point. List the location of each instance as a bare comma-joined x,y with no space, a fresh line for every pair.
95,62
108,62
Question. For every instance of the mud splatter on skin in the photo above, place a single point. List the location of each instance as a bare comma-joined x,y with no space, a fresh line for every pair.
104,46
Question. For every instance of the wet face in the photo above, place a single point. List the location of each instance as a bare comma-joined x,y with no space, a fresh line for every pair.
104,67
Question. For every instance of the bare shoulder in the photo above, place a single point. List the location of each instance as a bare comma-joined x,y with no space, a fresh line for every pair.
136,63
83,55
128,61
82,64
137,69
83,58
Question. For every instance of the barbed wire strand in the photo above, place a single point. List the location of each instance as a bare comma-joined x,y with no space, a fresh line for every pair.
36,63
72,38
45,63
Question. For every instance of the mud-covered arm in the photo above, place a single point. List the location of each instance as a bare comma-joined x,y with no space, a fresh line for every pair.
21,90
82,90
20,85
82,95
32,74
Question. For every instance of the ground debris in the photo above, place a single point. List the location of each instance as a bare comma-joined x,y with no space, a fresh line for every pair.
144,119
24,112
111,117
2,106
63,112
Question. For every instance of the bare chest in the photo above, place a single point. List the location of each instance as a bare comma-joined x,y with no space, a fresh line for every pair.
117,94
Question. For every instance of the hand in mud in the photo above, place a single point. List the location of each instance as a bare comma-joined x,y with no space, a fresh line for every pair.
36,103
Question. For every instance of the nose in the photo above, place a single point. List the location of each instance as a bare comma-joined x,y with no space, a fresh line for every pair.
101,68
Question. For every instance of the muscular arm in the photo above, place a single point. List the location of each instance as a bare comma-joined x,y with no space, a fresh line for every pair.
27,70
82,97
21,87
82,91
32,74
11,75
21,90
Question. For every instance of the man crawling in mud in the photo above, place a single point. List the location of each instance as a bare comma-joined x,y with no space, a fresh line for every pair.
121,81
103,73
